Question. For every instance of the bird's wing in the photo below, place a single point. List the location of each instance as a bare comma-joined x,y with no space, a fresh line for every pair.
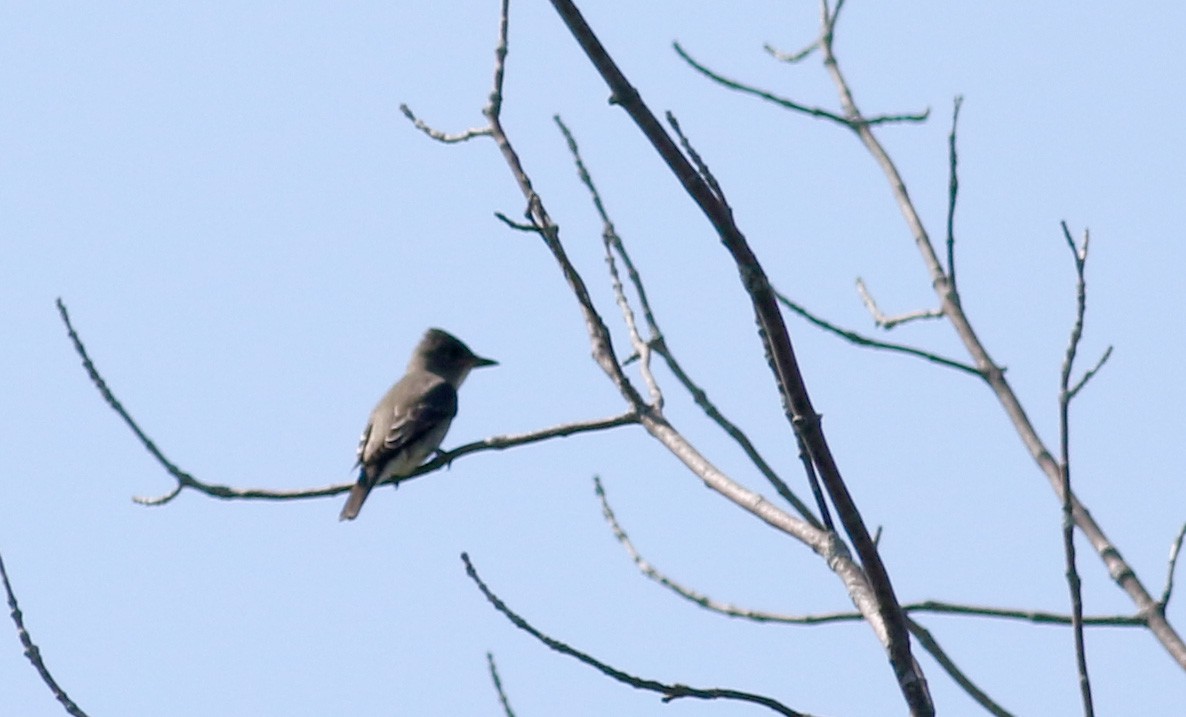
395,425
362,443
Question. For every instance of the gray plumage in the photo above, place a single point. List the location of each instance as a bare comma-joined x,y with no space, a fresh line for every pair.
412,418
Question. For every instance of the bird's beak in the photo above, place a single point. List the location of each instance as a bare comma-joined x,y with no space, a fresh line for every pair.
479,362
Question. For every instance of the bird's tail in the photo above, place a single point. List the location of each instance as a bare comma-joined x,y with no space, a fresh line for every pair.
358,495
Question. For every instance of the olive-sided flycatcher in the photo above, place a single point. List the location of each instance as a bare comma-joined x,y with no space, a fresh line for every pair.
411,420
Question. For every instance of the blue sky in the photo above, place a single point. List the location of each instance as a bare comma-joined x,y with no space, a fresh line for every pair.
251,238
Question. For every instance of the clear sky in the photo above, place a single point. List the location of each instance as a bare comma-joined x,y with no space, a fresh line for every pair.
251,238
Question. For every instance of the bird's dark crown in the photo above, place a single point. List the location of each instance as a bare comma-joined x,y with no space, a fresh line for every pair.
446,355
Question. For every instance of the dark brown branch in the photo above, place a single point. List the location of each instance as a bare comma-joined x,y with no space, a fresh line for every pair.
502,696
32,652
860,340
1074,584
669,691
776,341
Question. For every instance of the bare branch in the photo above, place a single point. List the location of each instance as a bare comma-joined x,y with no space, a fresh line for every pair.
32,652
502,696
785,103
442,136
1074,583
669,691
860,340
889,322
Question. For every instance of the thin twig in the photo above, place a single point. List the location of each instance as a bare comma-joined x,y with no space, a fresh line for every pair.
831,17
1175,550
790,57
33,653
1091,374
953,189
609,236
181,476
658,342
517,226
785,103
889,322
669,691
813,481
1037,617
502,695
701,166
861,340
1064,432
443,136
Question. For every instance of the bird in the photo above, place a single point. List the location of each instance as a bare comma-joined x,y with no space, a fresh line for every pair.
410,421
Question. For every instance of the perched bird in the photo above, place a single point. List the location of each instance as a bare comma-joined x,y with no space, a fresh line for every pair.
411,420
